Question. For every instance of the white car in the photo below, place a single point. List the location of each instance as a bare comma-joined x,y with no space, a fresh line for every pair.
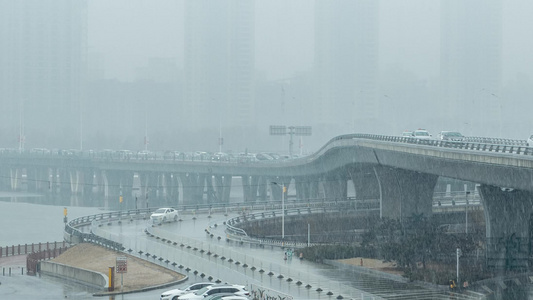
421,134
226,296
163,215
530,141
237,290
173,294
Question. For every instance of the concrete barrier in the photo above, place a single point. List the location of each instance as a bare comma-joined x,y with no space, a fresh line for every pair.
87,277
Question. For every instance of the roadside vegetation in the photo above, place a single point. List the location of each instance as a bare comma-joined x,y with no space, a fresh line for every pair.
421,248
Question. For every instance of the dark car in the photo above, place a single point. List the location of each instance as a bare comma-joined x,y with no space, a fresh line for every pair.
451,136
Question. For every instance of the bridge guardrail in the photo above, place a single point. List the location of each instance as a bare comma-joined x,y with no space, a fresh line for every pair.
486,144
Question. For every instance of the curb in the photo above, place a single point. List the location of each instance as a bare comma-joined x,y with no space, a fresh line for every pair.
155,287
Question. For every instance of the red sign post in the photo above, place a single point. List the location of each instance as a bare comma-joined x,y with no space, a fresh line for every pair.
122,267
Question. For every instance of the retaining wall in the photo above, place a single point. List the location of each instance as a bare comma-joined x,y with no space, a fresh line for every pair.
91,278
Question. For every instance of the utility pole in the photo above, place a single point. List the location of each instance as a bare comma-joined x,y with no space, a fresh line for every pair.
292,131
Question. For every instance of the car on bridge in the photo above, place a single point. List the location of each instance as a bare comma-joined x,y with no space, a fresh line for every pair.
175,293
407,133
163,215
421,134
530,141
453,136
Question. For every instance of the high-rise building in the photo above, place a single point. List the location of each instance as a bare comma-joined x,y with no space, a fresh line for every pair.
219,64
346,65
43,57
471,65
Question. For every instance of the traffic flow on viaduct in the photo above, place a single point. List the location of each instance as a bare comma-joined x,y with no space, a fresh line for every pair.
401,172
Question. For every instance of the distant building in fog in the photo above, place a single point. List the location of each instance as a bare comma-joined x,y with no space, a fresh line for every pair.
471,65
43,57
346,65
219,64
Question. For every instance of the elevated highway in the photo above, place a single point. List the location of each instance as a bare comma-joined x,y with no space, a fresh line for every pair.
401,172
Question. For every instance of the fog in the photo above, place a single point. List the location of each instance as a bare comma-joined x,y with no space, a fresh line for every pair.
181,74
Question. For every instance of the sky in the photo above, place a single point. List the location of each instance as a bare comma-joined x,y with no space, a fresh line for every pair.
130,32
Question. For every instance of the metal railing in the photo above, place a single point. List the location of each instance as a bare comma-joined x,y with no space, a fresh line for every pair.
33,259
29,248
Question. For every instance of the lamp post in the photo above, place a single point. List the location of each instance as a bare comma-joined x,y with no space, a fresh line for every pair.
282,214
283,188
466,211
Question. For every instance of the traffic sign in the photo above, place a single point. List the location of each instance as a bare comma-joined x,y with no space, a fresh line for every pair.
122,264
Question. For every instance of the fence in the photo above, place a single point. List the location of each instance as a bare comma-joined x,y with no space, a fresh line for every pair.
29,248
33,259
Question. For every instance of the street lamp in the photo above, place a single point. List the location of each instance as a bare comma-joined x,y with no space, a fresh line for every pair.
466,211
283,189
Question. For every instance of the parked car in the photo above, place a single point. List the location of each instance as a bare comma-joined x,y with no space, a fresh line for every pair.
173,294
421,134
163,215
451,136
530,141
238,290
226,296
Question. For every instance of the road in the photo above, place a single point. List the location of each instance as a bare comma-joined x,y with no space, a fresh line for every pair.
200,256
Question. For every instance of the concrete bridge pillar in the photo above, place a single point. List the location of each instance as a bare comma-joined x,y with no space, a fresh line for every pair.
88,182
64,182
314,183
365,183
15,179
246,182
302,189
250,187
227,188
509,227
38,180
100,184
404,193
113,188
76,181
193,188
262,188
335,187
210,190
149,189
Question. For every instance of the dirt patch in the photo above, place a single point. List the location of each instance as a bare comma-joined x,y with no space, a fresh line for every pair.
140,274
376,264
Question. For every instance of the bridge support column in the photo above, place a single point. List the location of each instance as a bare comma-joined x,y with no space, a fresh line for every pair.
302,188
246,188
404,193
65,188
365,183
314,187
509,227
227,188
212,197
149,189
262,189
171,189
88,182
16,179
193,188
335,187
